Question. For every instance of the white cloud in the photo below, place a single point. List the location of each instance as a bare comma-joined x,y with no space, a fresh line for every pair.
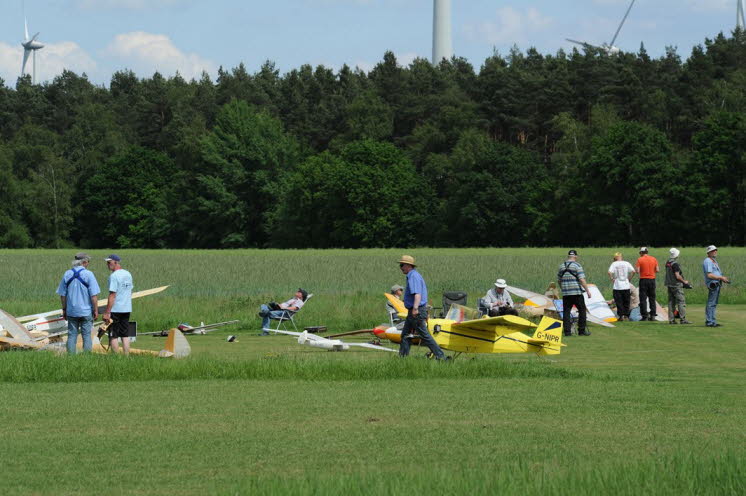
146,53
510,26
50,61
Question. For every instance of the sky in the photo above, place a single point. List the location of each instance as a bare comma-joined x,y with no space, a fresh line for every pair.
100,37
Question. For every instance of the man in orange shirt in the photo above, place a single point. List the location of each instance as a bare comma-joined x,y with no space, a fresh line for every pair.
647,267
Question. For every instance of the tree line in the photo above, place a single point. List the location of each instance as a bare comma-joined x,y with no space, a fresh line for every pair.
579,148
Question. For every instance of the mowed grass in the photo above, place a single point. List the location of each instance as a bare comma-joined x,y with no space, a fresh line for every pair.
643,408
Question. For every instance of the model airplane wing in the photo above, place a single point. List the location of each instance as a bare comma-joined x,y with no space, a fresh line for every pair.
15,329
506,324
397,304
306,335
532,299
371,346
19,344
101,304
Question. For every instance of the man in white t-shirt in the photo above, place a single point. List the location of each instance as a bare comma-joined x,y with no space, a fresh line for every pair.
620,273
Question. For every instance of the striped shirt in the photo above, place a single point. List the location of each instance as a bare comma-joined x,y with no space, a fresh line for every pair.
569,283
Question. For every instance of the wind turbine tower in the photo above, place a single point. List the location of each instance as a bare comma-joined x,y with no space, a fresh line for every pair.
442,44
29,45
740,21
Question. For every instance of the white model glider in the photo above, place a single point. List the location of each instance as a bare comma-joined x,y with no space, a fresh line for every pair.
598,311
315,341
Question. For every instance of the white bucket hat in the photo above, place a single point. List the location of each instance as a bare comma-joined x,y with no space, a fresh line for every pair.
711,248
500,283
674,253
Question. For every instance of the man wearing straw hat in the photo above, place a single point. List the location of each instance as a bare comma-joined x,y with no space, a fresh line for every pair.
415,301
714,279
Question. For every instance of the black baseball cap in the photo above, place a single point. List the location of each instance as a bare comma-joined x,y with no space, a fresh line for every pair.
572,253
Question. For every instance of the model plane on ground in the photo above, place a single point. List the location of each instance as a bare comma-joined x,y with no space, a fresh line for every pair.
53,323
17,337
598,311
189,330
485,335
315,341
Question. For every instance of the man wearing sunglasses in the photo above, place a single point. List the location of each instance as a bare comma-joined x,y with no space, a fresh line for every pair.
415,300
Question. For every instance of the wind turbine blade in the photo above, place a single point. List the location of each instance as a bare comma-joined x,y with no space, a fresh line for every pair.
26,53
576,42
36,36
624,19
25,26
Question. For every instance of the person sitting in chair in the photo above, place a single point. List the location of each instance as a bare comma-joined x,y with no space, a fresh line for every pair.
397,291
284,310
498,301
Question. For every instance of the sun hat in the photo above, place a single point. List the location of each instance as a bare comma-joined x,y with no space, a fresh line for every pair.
500,283
82,256
395,288
112,257
711,248
674,253
406,259
617,254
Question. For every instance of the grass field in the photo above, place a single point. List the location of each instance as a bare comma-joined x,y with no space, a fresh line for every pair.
644,408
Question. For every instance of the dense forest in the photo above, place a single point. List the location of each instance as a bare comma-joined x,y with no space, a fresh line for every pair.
579,149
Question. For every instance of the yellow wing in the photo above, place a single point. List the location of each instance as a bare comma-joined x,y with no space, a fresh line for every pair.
397,304
507,324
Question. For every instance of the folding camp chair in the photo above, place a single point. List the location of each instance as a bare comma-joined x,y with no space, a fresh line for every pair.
451,298
288,316
559,306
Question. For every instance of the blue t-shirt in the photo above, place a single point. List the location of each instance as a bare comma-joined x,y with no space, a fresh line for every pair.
77,294
120,282
710,266
415,285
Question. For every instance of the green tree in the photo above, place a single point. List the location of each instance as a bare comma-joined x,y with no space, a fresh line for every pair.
368,195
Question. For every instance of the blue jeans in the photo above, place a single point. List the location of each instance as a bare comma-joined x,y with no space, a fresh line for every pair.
418,324
712,302
268,315
82,325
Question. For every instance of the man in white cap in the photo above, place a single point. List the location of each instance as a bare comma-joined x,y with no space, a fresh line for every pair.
676,283
498,301
415,300
714,278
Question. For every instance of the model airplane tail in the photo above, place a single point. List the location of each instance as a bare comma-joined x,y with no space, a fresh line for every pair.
177,345
549,336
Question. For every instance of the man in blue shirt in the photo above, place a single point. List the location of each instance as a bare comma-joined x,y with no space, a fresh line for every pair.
415,300
714,279
119,304
78,292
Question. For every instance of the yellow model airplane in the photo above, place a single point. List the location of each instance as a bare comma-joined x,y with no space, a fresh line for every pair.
486,335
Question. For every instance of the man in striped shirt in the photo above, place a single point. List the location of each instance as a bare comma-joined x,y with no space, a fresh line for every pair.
571,278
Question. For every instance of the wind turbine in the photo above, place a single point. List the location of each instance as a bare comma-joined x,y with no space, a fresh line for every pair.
740,21
609,48
29,45
442,45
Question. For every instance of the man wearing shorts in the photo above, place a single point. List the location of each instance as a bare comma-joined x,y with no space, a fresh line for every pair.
119,305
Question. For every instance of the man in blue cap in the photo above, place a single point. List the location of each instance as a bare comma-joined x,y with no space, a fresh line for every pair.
119,305
78,292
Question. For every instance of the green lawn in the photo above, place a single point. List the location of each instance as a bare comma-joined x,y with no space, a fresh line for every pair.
643,408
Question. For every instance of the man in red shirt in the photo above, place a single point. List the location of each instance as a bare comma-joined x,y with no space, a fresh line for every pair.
647,267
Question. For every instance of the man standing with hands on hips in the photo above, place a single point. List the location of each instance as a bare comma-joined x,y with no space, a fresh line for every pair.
714,279
571,278
119,305
415,300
